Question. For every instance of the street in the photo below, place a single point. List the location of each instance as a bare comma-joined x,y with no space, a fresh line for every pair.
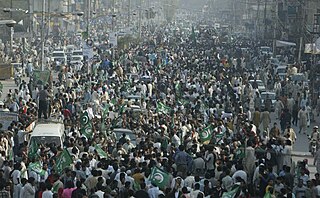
300,148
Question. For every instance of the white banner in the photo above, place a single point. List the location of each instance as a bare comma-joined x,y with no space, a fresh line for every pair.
113,39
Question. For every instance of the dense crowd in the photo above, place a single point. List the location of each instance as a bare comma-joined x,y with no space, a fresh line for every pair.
198,121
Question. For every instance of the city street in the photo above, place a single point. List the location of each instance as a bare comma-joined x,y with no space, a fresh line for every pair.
300,147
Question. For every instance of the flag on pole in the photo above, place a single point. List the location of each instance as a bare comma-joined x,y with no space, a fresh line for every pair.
37,167
101,152
63,161
162,108
159,177
206,134
232,193
86,126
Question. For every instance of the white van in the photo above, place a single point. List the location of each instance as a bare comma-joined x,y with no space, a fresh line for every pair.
59,56
46,133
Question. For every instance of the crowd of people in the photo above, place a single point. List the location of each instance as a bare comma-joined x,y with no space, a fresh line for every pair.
196,117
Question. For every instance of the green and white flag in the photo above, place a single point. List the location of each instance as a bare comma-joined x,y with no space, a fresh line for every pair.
206,134
101,152
37,167
105,111
162,108
240,152
159,177
63,161
122,109
232,193
113,101
33,149
85,124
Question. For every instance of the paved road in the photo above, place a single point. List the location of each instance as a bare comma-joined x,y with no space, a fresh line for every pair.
301,146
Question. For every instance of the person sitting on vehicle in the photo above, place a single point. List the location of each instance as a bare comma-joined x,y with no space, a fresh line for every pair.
315,136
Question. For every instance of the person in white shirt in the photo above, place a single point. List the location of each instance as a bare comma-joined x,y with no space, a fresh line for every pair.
99,191
227,181
47,193
240,173
153,191
16,179
128,145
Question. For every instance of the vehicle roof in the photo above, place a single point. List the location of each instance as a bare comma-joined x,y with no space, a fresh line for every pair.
122,130
76,56
256,80
281,66
267,93
48,129
78,50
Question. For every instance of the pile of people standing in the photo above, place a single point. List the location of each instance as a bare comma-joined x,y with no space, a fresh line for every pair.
198,121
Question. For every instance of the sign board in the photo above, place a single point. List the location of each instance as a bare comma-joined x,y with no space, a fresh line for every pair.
17,35
41,77
87,50
113,40
310,48
7,118
6,71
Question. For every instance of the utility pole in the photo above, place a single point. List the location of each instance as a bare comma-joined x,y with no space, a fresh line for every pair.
113,28
49,17
140,15
265,20
88,17
275,22
257,25
42,34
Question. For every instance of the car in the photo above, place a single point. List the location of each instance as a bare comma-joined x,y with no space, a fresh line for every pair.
300,78
265,50
77,53
48,132
76,59
59,56
271,95
129,133
261,86
281,71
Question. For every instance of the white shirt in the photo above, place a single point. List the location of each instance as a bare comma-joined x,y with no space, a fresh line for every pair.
99,193
47,194
241,174
16,175
153,192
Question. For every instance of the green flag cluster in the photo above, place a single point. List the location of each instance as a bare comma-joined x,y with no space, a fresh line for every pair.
232,193
162,108
159,177
86,125
206,134
37,167
63,161
101,152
